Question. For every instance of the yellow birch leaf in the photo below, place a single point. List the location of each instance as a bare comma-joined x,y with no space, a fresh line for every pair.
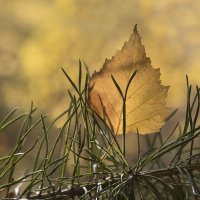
146,98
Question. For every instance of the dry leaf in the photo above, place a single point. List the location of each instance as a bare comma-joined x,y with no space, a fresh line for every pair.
146,97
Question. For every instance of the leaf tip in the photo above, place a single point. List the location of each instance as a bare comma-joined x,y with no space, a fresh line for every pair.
135,28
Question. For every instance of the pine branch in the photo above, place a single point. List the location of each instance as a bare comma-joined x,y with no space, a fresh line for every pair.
80,190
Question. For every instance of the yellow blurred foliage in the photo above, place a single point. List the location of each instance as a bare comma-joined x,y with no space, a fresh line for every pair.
38,37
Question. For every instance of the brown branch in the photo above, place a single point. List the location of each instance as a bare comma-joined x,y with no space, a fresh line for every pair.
82,189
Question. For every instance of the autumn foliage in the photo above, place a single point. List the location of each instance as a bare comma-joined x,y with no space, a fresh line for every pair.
145,99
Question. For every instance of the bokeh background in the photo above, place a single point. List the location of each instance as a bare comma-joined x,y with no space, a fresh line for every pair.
38,37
